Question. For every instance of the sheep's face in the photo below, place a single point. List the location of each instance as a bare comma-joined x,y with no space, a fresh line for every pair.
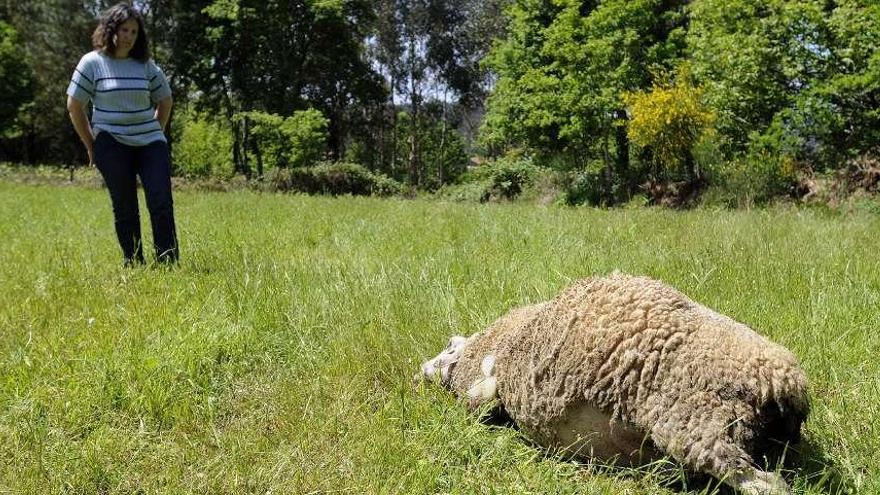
441,366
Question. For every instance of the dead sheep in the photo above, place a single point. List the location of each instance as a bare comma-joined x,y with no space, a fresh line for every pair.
628,369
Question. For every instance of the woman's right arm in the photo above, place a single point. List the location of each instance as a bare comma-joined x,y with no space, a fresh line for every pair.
81,124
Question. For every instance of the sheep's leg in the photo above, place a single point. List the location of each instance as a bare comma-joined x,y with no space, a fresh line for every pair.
697,449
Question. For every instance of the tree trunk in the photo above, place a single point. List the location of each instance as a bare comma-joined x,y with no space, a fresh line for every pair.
256,149
442,160
607,172
415,151
622,145
392,162
414,155
241,140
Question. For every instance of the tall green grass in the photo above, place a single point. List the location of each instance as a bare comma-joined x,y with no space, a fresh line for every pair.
279,355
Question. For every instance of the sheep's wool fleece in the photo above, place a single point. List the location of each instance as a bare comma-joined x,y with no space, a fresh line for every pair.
693,380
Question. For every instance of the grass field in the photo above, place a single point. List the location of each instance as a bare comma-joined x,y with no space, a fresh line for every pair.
278,356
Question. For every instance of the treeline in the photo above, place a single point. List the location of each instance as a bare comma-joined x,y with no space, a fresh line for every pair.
612,99
669,96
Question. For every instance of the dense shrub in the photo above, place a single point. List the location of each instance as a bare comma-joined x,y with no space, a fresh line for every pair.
334,178
501,179
510,176
751,180
585,187
203,148
474,191
669,120
299,140
807,132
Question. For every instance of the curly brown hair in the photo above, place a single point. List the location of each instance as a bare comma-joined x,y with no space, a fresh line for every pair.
115,16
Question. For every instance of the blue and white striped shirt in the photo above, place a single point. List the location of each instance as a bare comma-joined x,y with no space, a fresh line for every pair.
124,93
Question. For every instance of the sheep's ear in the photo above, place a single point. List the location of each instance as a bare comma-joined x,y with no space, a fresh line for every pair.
456,341
487,366
444,374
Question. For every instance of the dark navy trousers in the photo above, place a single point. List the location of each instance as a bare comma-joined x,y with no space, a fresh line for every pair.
120,165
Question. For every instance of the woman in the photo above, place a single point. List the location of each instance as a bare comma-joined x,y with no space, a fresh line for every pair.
131,103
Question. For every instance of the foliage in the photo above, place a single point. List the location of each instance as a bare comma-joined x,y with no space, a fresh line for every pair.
403,85
795,78
203,147
510,175
802,134
564,64
562,71
504,178
585,187
16,78
443,155
668,121
753,57
798,78
473,191
335,178
53,34
277,57
295,141
429,50
753,180
852,90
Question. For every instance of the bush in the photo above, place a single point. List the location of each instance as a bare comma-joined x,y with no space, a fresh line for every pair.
754,179
203,149
475,191
335,178
296,141
808,133
669,120
502,179
585,187
509,178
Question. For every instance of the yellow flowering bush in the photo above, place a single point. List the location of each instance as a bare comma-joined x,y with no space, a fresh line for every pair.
669,120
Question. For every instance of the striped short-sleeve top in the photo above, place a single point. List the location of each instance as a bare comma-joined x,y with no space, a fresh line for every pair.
124,93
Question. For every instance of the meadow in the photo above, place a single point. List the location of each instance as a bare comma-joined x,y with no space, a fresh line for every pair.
278,356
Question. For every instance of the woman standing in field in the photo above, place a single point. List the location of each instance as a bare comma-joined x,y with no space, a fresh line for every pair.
131,104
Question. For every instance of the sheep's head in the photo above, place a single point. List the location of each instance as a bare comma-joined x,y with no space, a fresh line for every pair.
441,366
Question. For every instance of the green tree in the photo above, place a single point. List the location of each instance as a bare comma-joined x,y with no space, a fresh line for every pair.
444,152
800,79
16,79
296,141
754,57
429,52
204,146
562,72
54,34
277,57
851,93
668,121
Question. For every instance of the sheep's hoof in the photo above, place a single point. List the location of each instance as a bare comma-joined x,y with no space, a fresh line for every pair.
763,483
